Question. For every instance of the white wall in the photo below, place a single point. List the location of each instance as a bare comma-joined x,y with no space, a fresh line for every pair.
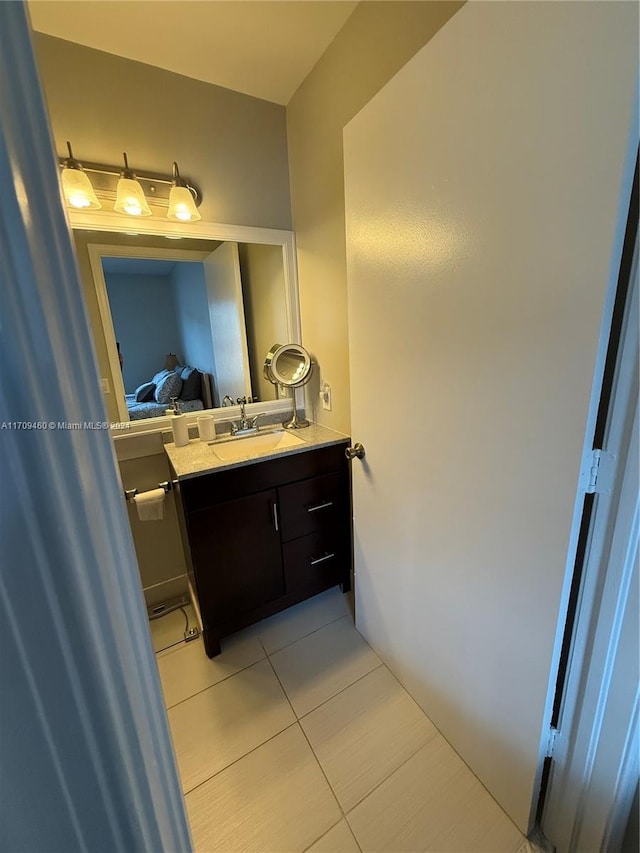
483,187
376,41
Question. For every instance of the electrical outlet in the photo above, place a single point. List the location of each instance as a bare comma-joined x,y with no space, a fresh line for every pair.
325,395
104,384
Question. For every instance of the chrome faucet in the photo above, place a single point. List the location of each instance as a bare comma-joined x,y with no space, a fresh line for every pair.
244,423
254,420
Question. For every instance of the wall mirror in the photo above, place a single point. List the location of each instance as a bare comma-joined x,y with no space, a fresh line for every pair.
210,296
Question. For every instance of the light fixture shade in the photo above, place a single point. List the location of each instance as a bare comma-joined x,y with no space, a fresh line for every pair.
130,198
78,190
182,206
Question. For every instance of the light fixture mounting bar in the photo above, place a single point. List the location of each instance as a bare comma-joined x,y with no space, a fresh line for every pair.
156,186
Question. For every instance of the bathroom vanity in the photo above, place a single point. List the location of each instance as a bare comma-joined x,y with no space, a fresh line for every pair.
264,532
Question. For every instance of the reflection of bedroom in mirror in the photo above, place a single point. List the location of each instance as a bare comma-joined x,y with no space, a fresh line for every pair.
191,323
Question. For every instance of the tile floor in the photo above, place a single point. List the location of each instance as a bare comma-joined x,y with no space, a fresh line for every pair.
298,738
169,629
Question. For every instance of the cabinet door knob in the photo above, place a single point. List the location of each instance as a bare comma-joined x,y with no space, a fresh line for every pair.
356,450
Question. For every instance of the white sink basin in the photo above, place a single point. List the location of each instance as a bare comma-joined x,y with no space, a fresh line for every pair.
244,448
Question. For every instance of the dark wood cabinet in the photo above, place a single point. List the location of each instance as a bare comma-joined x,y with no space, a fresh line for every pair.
264,536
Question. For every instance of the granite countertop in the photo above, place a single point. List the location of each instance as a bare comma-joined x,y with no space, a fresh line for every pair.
198,457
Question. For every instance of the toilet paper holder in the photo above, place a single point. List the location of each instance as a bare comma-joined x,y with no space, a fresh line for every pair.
167,485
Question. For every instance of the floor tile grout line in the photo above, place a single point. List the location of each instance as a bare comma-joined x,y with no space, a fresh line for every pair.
319,763
167,651
266,655
304,636
239,758
304,735
447,741
215,683
431,737
315,840
286,695
342,690
353,832
320,837
342,811
174,647
299,721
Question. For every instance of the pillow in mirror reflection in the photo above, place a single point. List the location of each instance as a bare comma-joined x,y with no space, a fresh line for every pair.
168,387
145,393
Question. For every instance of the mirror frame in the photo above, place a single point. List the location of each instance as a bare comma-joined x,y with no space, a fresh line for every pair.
105,221
271,367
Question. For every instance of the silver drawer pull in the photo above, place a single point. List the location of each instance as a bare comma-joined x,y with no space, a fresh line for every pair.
322,559
319,506
275,517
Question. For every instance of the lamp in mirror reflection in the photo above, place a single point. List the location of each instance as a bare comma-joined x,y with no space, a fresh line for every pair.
87,185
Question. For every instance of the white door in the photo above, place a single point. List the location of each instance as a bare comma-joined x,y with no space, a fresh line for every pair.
483,190
226,312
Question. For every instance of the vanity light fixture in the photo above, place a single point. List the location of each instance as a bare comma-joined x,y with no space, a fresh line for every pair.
86,185
182,206
76,186
130,195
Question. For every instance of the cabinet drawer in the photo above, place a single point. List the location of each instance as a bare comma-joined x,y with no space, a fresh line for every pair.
313,563
200,492
311,505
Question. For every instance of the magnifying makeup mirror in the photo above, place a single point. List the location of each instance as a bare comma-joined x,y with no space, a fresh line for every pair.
290,366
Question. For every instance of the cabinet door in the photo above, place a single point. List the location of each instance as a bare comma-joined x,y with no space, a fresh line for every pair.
237,559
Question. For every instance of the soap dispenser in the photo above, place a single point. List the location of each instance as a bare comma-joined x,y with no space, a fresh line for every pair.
178,424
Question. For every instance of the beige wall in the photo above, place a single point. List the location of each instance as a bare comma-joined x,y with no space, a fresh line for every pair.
377,40
158,543
263,289
232,145
235,147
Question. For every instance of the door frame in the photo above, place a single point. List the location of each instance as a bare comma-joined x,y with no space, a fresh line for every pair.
84,729
592,644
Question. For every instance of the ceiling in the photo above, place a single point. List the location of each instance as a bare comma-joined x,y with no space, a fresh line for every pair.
259,47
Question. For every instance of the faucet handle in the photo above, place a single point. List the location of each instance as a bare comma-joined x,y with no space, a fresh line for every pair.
254,420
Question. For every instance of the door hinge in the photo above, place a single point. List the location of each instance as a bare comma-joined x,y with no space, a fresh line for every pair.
551,743
594,466
598,472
